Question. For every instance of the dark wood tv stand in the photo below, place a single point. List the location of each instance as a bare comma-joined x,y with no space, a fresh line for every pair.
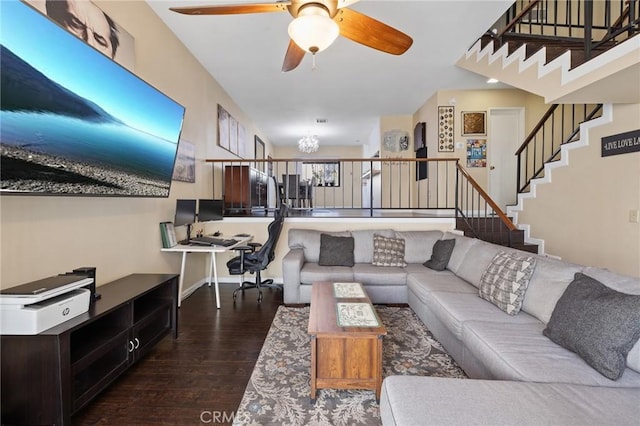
48,377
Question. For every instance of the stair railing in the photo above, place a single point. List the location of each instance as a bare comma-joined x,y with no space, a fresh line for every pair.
478,213
558,126
591,26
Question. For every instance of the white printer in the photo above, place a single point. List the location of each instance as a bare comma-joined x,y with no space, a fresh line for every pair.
37,306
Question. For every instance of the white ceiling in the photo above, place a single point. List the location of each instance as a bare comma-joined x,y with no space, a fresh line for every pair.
353,85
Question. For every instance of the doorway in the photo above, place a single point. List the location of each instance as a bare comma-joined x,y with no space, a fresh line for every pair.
506,127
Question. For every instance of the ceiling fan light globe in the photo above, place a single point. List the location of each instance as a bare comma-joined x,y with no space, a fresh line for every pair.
313,30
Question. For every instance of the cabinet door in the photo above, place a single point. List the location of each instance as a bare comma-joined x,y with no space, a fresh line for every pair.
94,372
237,187
151,329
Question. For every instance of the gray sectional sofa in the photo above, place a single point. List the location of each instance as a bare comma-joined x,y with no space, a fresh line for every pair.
519,375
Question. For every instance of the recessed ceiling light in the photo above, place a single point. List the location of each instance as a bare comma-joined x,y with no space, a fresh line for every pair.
492,81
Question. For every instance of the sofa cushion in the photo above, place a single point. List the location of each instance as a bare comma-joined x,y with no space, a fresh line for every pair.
420,400
309,241
462,246
335,251
506,279
379,275
453,309
441,253
312,272
621,283
423,283
418,244
550,279
519,351
598,323
388,251
624,284
477,259
363,243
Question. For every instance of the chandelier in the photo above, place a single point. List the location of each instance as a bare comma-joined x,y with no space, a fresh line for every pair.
309,144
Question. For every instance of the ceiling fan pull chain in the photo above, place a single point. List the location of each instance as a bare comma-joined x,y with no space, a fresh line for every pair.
313,65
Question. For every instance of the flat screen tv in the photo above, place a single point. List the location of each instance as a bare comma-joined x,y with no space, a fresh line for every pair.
73,122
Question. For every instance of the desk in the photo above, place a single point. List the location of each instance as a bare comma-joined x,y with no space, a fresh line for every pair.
213,270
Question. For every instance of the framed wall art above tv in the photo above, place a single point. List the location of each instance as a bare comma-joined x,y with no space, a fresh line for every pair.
93,129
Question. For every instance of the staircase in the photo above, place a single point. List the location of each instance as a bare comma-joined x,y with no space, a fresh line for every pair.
492,229
478,216
564,60
563,51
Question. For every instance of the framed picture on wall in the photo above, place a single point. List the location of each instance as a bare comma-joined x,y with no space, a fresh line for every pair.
259,152
119,45
185,167
445,129
223,128
474,123
476,153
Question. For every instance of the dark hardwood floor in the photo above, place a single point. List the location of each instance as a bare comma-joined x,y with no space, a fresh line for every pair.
200,377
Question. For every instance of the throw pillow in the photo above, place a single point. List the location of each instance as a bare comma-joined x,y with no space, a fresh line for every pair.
335,251
596,322
442,250
505,280
388,251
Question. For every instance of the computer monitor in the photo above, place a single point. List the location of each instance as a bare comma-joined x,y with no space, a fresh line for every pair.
185,212
210,210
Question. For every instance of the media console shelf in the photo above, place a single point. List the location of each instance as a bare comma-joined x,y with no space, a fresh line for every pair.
48,377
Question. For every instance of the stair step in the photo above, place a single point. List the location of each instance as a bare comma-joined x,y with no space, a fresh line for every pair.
517,240
531,248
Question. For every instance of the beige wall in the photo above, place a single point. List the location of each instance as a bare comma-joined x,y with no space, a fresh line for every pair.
583,214
44,236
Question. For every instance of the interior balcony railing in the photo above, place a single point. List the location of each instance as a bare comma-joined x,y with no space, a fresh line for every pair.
355,187
361,187
558,126
586,27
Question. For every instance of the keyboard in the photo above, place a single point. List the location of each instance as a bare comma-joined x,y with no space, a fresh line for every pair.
212,241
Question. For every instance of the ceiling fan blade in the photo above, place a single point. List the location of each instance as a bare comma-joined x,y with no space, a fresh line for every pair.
293,57
233,9
365,30
346,3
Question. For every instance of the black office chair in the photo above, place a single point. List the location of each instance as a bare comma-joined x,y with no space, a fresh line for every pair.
254,261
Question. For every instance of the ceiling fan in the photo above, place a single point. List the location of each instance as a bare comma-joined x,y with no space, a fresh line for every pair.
316,25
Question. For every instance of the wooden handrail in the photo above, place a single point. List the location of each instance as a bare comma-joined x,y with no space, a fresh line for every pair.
517,18
503,217
538,126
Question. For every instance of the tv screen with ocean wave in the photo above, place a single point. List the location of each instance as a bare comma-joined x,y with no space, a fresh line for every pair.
72,121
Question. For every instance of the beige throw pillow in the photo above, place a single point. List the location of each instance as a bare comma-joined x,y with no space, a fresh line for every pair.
388,251
506,279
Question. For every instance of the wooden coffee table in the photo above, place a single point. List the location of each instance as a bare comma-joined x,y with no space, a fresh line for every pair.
346,339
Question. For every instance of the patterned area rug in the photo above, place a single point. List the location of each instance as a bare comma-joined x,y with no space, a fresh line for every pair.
278,391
